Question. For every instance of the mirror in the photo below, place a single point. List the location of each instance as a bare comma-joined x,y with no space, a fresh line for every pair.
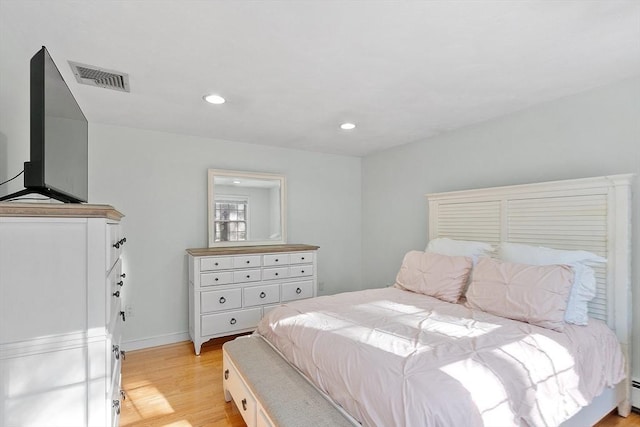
246,208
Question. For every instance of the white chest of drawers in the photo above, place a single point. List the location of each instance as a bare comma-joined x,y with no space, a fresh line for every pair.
231,289
61,283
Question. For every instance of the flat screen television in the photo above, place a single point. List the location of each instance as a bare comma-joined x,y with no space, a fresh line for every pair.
58,166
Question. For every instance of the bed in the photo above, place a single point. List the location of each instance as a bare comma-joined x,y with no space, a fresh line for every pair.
399,356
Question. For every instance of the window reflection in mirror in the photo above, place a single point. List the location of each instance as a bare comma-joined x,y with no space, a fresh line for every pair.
246,208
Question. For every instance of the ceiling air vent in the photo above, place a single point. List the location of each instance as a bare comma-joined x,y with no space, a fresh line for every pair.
100,77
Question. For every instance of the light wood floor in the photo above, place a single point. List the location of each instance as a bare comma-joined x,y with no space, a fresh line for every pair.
171,386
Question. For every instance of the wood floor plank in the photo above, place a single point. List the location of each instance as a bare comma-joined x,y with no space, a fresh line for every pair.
171,386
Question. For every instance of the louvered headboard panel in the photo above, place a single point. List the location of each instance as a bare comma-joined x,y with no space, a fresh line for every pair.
592,214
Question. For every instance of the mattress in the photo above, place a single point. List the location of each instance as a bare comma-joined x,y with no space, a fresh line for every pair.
391,357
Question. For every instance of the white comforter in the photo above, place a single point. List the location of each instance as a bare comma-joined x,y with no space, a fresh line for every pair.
396,358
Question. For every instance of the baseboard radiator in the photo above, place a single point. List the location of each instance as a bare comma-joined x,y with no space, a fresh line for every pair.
635,394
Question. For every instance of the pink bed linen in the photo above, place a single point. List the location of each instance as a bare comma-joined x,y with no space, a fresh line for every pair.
391,357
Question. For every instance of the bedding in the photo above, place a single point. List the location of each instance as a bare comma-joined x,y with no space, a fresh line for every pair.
436,275
391,357
536,294
452,247
584,284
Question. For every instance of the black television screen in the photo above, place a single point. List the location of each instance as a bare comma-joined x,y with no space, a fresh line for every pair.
58,167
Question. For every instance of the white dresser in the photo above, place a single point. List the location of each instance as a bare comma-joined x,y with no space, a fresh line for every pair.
230,289
61,285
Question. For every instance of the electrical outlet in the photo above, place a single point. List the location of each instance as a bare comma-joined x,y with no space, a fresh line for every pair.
128,310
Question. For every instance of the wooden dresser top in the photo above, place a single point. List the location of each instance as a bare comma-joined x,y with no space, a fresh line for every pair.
59,210
241,250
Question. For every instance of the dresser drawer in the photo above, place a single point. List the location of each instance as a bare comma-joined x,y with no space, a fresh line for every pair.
247,261
275,273
259,295
301,258
244,400
267,308
217,263
276,259
220,300
116,406
230,321
301,270
216,278
297,290
115,241
241,276
114,291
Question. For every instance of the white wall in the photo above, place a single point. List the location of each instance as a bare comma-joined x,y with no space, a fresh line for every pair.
159,181
591,134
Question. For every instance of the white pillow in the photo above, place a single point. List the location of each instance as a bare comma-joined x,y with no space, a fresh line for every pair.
584,285
468,248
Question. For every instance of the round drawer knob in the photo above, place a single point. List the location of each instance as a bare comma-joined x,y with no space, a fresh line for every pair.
120,283
298,291
226,374
262,295
244,404
233,321
248,262
302,271
276,274
302,258
116,294
248,276
276,259
216,264
222,300
123,275
216,279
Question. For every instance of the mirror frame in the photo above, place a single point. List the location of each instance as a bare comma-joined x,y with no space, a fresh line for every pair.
212,173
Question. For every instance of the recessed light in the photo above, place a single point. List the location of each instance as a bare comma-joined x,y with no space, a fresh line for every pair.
214,99
347,126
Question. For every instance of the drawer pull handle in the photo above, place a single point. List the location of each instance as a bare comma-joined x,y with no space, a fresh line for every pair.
226,374
233,321
116,404
123,275
120,283
298,291
116,351
123,354
123,395
123,318
262,295
244,404
222,300
116,294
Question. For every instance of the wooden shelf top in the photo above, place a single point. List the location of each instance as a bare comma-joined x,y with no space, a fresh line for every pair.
59,210
242,250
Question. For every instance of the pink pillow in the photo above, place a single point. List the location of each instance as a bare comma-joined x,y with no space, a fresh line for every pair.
537,294
433,274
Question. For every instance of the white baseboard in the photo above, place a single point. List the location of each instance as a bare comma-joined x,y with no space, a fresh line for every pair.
155,341
635,392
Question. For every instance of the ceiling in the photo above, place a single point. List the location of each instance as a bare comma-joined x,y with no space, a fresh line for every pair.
293,71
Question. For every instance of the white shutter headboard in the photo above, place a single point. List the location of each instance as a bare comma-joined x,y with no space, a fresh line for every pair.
592,214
